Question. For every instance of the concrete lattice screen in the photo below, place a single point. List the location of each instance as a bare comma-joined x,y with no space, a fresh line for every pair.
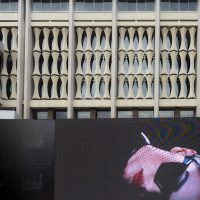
50,71
8,65
136,63
93,71
135,70
178,68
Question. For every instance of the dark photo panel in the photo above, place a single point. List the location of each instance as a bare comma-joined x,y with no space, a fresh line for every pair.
91,156
97,159
26,160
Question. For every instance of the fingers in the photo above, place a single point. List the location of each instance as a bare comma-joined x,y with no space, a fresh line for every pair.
131,169
183,151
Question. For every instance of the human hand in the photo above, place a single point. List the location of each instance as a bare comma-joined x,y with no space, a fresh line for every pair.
142,166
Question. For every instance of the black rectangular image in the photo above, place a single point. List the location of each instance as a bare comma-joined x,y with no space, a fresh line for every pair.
26,160
107,159
96,159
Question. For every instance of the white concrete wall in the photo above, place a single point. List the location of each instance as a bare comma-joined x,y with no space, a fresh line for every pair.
114,25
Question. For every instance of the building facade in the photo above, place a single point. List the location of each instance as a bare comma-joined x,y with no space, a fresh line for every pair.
100,58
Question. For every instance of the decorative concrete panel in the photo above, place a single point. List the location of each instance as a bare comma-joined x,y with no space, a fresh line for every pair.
135,62
177,63
8,64
50,55
93,69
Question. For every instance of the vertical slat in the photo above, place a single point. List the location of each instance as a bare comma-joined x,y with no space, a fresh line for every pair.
28,62
114,61
157,59
198,61
71,71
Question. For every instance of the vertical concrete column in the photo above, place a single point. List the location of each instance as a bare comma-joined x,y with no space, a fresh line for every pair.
50,114
28,62
1,53
176,112
20,58
114,61
71,68
135,113
93,113
157,59
198,64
